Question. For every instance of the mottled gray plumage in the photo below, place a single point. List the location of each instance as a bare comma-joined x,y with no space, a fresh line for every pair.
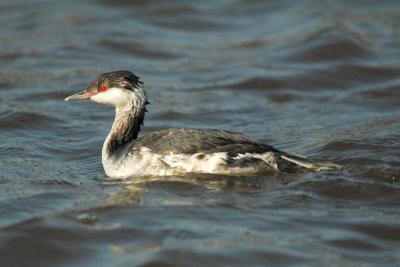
176,151
190,141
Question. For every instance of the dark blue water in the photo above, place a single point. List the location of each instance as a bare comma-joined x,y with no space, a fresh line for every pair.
316,78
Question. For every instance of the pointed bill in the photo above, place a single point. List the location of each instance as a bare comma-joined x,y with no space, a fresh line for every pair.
83,95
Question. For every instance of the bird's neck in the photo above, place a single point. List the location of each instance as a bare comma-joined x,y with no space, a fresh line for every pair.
125,129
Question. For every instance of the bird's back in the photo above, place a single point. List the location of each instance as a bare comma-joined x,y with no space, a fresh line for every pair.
191,141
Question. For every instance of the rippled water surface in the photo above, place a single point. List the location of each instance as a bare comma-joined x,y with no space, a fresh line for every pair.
316,78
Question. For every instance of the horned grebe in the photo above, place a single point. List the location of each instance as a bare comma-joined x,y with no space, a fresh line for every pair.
176,151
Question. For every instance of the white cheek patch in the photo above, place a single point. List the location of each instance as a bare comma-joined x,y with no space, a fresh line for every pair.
112,96
121,98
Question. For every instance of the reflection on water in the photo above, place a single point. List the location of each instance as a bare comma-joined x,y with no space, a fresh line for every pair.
316,78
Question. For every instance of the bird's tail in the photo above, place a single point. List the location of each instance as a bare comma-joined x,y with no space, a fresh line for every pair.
289,162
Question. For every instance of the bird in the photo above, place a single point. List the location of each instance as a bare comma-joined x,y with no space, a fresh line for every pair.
177,151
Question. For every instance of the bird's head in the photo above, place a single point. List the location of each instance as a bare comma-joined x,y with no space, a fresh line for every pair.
118,88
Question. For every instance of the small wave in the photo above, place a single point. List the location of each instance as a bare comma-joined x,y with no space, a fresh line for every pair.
330,50
26,120
258,83
136,49
383,97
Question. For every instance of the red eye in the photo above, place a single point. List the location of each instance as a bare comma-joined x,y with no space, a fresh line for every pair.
103,89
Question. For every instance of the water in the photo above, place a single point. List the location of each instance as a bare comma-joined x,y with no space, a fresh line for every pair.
316,78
